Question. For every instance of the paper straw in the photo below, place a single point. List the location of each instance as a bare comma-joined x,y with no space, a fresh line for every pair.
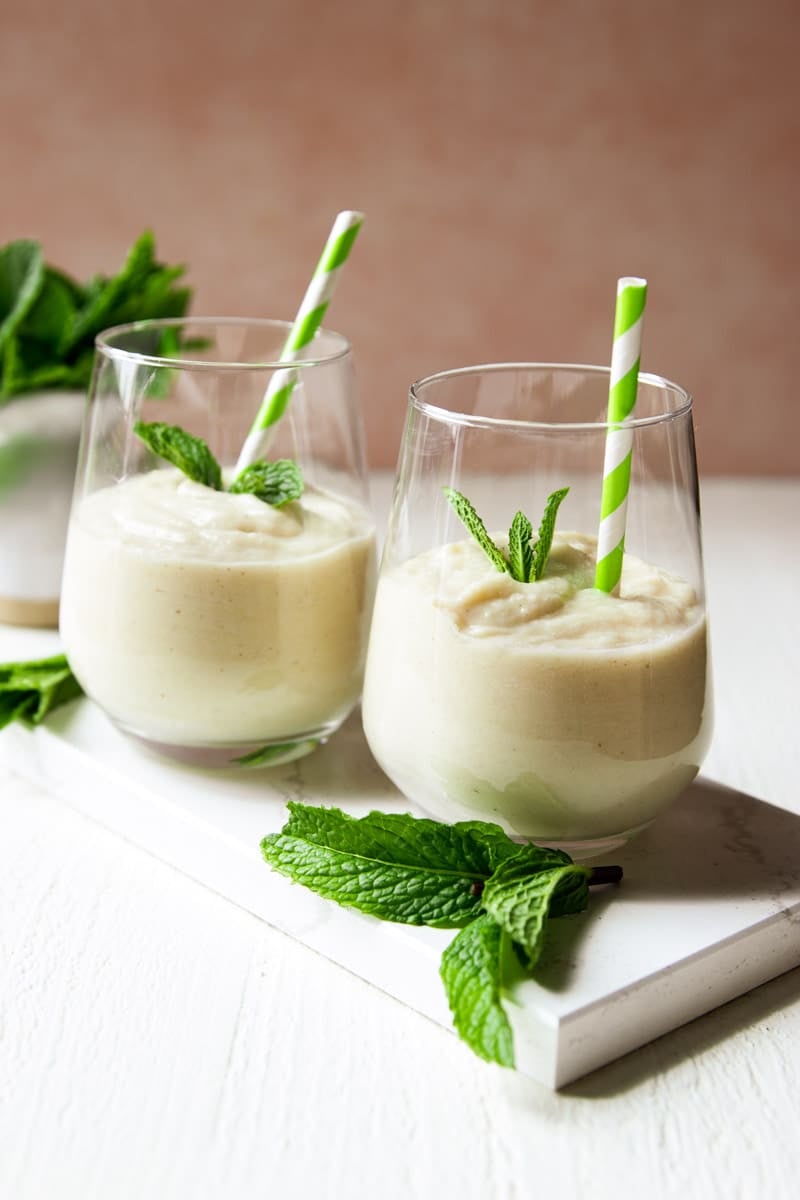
306,323
623,384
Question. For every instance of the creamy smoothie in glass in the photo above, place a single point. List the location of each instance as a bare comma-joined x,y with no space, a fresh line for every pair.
210,624
567,715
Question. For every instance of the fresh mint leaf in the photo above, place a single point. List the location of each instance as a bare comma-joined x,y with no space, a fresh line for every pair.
422,872
30,690
188,453
544,538
520,552
520,900
471,974
410,895
275,483
474,848
473,523
391,865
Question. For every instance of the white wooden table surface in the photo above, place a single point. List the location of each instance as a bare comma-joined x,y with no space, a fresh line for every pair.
156,1041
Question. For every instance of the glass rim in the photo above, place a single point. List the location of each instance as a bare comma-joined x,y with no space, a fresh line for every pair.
454,417
103,344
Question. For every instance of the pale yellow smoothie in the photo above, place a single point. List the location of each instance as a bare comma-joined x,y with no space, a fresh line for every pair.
201,618
554,709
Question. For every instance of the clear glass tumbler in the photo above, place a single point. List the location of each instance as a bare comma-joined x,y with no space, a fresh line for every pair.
569,716
212,625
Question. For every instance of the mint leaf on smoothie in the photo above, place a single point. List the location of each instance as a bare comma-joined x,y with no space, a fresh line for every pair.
544,538
30,690
520,552
275,483
470,519
526,560
418,871
189,454
471,974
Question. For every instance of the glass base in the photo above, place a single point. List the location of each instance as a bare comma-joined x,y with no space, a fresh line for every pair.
238,756
579,849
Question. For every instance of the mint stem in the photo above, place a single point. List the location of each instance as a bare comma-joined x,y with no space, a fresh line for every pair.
599,875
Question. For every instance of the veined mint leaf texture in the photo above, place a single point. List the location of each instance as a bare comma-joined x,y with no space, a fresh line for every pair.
471,974
275,483
189,454
544,538
520,551
526,562
473,523
410,895
471,847
521,900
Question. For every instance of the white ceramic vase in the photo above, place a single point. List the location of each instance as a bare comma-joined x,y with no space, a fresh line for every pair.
39,437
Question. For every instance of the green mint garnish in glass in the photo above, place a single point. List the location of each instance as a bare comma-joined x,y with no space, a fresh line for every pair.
276,483
526,559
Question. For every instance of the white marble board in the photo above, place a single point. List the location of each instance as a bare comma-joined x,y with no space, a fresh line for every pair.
709,906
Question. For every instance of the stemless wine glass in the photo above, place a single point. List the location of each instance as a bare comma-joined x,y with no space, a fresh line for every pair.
215,626
566,715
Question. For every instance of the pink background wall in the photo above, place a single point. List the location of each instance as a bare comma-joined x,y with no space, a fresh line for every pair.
513,158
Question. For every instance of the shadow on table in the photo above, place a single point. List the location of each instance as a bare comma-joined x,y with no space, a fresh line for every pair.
717,843
714,845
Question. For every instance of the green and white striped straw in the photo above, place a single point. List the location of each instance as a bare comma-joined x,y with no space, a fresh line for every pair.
306,323
623,385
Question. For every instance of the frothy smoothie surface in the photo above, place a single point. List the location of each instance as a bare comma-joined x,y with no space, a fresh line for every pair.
199,617
560,711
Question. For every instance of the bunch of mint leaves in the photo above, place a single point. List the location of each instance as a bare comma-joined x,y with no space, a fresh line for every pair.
526,559
275,483
48,321
469,876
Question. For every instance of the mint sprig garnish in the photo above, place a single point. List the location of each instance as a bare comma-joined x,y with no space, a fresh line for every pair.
275,483
31,690
526,559
417,871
